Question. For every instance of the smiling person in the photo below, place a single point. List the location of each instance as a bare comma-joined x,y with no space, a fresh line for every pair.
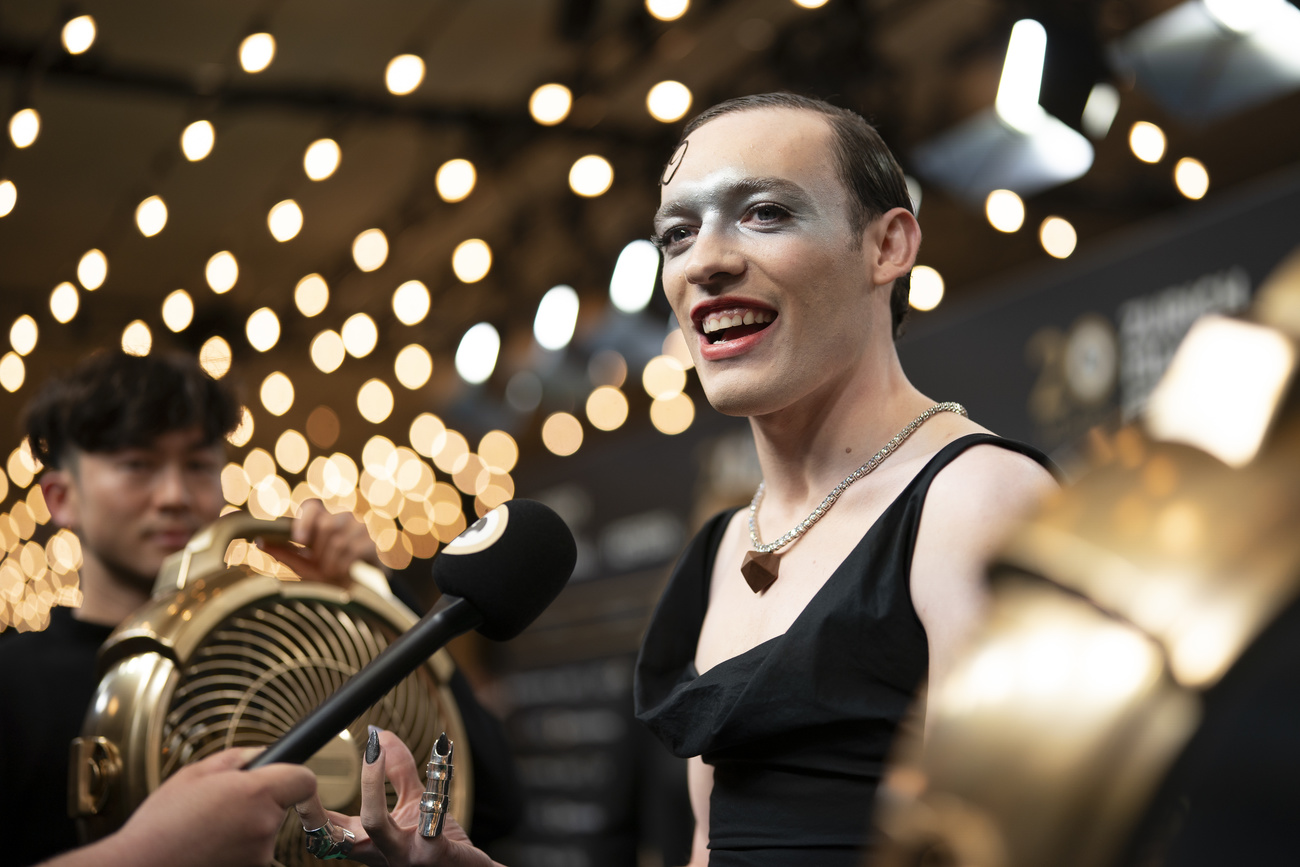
133,449
794,634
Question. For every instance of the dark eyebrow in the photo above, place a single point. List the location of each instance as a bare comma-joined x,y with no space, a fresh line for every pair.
741,189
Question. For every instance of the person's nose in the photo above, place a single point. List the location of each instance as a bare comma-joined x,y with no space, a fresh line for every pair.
172,487
714,259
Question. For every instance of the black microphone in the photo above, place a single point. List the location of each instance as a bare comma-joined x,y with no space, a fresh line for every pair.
505,569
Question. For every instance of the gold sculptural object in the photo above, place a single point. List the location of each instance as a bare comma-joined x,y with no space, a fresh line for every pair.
1113,612
224,656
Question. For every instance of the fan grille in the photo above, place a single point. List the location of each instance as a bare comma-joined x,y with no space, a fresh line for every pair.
271,663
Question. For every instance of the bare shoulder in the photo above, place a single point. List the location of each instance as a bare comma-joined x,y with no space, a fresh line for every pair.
987,481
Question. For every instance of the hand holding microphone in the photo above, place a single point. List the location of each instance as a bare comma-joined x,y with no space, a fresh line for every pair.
501,573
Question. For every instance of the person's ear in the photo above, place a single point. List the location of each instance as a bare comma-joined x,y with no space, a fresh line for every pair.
894,239
60,494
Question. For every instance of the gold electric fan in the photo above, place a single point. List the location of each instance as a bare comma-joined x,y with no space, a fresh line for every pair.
226,656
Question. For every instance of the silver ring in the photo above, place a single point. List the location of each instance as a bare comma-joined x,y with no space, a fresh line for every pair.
329,842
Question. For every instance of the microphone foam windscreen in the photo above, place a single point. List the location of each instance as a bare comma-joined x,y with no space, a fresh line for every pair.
510,564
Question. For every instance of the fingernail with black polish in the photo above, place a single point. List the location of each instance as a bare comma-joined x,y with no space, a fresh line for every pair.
372,746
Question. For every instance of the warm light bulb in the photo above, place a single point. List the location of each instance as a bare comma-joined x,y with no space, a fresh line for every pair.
360,335
215,358
607,408
256,52
476,356
277,393
557,315
562,434
263,329
411,302
370,250
92,270
926,288
151,216
672,415
810,4
137,339
12,372
404,74
1147,141
455,180
197,140
23,334
667,10
64,302
1057,237
312,295
413,366
591,176
285,220
222,272
178,310
471,260
24,127
633,282
668,101
79,34
327,351
321,159
8,197
1191,178
550,104
375,401
1005,210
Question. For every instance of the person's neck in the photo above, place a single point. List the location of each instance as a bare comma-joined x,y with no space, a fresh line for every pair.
807,449
106,598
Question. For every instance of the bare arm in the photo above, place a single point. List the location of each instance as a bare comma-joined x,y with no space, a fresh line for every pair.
973,506
699,777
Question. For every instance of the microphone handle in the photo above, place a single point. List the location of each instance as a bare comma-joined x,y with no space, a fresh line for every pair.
371,683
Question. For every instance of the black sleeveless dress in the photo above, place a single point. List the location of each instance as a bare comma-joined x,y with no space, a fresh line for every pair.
798,728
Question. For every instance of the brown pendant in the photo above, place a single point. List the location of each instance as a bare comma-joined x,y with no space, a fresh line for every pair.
760,569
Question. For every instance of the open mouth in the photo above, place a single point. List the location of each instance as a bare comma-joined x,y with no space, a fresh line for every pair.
723,325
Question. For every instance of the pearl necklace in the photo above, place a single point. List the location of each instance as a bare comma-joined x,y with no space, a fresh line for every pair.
761,564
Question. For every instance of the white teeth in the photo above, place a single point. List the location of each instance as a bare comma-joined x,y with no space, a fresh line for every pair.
749,317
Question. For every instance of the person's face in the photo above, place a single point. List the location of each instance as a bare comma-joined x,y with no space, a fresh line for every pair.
755,231
132,508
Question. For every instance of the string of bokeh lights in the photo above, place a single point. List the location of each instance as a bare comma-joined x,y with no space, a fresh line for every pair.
408,509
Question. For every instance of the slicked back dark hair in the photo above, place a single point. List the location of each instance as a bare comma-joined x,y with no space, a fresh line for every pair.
867,169
113,400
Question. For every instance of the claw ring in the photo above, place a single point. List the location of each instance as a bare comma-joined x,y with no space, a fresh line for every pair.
329,842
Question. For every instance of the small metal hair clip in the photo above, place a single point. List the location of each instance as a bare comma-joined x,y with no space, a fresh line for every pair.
674,163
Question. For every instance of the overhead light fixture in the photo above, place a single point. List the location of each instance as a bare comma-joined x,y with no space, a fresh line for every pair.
455,180
667,10
360,335
476,356
263,329
1204,59
1191,178
23,334
8,197
1147,141
591,176
151,216
633,282
411,302
137,339
926,288
92,269
1022,77
197,140
178,310
321,159
471,260
285,220
24,127
370,249
668,101
550,104
79,34
1005,211
64,302
311,295
222,272
1058,237
256,52
1100,110
1016,145
403,74
557,315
